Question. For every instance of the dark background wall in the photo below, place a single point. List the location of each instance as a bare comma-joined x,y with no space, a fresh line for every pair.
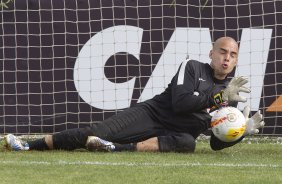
40,40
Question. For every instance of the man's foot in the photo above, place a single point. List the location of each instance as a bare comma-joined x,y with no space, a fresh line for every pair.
14,143
94,143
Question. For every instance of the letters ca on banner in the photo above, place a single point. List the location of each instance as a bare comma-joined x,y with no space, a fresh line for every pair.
98,91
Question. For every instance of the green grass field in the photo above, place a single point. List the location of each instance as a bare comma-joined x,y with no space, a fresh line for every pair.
242,163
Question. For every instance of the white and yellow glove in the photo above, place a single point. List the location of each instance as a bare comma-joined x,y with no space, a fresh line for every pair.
231,93
254,123
236,85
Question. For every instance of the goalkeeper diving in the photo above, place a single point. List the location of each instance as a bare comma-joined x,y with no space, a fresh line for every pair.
170,121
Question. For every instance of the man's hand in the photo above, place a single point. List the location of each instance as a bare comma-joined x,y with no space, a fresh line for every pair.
236,85
231,92
254,123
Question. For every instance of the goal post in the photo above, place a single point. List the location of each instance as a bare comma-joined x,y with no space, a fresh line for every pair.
64,64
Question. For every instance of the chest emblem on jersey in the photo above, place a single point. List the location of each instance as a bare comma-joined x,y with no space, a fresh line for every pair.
196,93
201,79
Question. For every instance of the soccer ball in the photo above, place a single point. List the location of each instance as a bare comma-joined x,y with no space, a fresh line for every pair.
228,124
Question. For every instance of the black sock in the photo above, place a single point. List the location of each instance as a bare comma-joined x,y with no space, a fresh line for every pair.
125,147
38,144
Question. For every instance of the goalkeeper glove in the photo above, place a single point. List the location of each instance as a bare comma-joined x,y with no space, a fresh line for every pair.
254,123
231,92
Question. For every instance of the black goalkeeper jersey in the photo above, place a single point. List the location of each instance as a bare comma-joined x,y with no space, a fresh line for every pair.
185,103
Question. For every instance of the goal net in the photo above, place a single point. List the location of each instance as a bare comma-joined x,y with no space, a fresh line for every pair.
64,64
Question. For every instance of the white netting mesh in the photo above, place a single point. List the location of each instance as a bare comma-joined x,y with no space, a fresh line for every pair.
64,64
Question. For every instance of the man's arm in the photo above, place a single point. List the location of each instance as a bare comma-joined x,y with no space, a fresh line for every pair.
183,87
217,144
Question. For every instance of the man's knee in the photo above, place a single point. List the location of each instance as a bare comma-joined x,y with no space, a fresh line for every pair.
71,139
180,142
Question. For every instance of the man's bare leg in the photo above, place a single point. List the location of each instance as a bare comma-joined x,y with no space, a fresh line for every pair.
49,141
150,145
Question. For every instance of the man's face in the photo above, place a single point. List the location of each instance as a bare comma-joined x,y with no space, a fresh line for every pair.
224,56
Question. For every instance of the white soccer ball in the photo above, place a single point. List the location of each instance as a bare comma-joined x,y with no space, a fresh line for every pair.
228,124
